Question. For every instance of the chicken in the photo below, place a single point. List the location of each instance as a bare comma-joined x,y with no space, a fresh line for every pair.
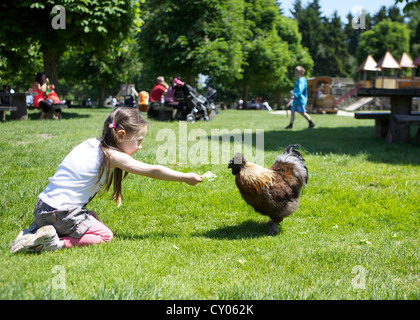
273,192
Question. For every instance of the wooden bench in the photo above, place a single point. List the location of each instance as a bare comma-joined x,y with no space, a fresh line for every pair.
381,121
58,106
387,130
162,112
404,120
3,109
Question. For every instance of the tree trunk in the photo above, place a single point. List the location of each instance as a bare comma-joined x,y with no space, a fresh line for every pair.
101,94
279,102
245,94
191,80
50,66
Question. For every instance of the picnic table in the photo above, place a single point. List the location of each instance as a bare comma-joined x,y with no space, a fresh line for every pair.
394,126
17,106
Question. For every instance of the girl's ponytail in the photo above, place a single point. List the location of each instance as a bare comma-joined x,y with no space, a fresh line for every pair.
130,120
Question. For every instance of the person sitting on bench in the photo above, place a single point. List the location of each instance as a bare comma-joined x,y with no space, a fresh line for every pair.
42,87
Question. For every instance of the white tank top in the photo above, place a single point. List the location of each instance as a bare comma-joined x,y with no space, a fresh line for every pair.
76,181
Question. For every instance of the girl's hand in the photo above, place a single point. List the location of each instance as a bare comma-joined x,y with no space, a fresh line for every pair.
192,179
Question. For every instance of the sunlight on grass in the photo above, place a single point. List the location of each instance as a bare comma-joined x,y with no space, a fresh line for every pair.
173,241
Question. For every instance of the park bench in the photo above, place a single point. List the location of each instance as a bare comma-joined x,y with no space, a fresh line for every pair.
384,121
157,111
381,121
398,120
58,106
165,113
3,109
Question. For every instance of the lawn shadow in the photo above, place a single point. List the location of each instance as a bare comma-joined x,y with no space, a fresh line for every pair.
342,141
346,140
33,115
245,230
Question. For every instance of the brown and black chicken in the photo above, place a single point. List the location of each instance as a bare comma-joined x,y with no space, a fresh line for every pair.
273,192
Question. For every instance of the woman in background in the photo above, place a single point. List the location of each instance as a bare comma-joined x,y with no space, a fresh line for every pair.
40,100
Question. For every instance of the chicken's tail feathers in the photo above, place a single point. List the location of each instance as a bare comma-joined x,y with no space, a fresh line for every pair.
292,147
293,156
291,150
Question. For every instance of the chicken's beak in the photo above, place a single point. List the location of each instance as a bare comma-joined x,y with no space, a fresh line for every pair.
230,164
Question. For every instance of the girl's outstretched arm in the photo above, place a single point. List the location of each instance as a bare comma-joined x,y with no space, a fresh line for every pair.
127,163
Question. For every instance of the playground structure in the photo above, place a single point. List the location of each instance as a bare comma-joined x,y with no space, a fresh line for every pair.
395,83
393,73
388,73
319,98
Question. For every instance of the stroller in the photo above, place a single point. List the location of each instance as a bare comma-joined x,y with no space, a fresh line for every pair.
130,95
191,105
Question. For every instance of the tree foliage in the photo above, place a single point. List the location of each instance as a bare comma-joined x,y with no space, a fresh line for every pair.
397,41
89,25
244,46
189,37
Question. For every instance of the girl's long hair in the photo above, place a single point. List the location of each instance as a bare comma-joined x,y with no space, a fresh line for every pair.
130,120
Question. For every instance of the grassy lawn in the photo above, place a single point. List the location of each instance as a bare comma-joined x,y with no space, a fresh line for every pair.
355,235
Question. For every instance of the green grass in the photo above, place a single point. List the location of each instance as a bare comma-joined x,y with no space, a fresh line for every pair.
173,241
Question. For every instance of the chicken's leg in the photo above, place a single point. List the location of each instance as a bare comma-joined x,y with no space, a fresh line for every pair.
274,230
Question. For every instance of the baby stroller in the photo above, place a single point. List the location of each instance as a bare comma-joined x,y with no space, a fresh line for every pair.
191,105
130,96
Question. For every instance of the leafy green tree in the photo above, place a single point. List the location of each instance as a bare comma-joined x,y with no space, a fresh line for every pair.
266,54
19,65
312,29
90,75
89,25
383,36
381,15
188,37
288,31
333,54
352,34
414,27
394,14
411,5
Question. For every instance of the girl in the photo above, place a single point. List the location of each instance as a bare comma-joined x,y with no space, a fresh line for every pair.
61,217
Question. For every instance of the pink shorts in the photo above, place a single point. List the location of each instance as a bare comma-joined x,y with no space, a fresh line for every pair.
97,233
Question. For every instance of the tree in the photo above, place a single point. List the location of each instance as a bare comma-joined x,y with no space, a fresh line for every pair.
352,34
266,54
312,30
189,37
288,31
395,15
411,5
86,71
380,15
297,9
19,65
89,25
333,55
383,36
414,27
